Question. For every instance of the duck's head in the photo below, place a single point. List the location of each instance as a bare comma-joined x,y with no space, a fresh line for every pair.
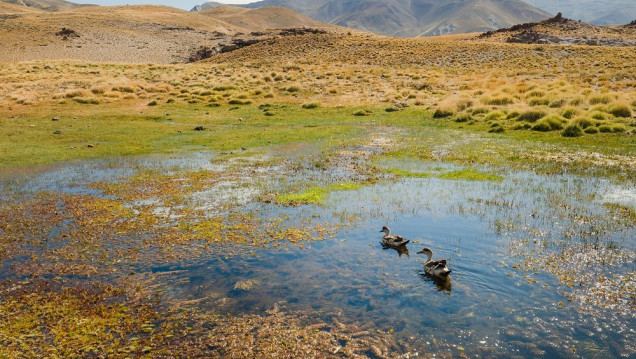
385,229
426,251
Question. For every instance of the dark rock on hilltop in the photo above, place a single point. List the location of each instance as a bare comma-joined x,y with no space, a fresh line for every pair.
563,31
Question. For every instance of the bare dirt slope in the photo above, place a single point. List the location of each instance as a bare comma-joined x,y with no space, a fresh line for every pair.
131,34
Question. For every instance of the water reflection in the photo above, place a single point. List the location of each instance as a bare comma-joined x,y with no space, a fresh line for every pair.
444,284
399,249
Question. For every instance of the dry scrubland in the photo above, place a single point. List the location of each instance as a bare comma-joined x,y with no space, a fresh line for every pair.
560,108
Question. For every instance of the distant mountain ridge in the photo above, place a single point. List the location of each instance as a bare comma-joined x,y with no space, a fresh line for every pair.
48,5
412,18
595,12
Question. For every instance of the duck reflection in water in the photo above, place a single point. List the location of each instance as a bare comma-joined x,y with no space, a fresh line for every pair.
399,249
443,284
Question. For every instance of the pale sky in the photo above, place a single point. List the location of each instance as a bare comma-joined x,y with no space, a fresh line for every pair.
186,5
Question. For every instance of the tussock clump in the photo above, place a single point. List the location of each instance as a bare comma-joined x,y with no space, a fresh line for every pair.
542,101
439,113
499,101
311,105
495,116
76,93
600,99
584,122
531,116
569,112
556,103
479,110
618,128
620,110
463,118
239,102
86,100
572,130
577,101
99,90
598,115
223,88
549,123
513,115
536,93
126,89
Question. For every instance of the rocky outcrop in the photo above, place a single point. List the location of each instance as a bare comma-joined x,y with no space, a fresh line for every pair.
563,31
534,37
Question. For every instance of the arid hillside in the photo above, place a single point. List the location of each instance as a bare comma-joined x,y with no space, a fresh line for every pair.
132,34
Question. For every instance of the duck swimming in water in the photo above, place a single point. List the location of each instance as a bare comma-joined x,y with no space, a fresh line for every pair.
394,240
436,268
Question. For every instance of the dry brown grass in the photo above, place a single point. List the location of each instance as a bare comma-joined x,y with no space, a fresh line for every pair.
130,34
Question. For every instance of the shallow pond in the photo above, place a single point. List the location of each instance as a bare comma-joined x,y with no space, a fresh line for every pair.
541,265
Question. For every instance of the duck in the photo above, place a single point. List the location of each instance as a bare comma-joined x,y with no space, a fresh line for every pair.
435,268
394,240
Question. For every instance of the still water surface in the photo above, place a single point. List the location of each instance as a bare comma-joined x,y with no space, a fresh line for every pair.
488,307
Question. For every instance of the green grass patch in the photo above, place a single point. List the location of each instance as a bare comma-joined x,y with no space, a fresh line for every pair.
402,173
470,175
314,195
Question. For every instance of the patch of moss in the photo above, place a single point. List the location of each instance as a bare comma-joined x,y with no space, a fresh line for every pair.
470,175
314,195
402,173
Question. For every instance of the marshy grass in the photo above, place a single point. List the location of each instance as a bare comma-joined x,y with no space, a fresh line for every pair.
470,175
314,195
